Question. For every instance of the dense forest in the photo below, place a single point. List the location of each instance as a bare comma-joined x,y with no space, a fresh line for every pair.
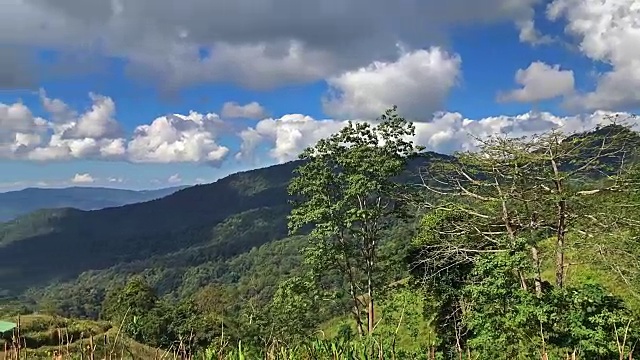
367,247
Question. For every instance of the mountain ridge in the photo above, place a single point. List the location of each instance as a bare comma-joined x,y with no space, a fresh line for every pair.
21,202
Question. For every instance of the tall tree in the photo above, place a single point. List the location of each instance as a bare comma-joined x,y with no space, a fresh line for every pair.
346,190
494,208
514,192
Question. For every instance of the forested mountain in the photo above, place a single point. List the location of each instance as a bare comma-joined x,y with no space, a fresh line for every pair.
21,202
59,244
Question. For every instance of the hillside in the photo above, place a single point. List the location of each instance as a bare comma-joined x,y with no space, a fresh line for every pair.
45,335
55,245
20,202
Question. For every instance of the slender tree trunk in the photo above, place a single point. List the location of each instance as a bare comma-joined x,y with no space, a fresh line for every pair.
523,281
538,277
356,313
354,297
370,311
560,243
535,255
560,230
370,308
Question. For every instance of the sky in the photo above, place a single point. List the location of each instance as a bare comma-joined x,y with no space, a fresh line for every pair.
145,94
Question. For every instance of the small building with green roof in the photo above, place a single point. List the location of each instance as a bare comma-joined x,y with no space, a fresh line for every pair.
7,327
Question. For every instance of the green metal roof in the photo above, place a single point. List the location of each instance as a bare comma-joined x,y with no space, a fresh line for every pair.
7,326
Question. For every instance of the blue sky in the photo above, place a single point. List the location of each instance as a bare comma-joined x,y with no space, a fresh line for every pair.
111,95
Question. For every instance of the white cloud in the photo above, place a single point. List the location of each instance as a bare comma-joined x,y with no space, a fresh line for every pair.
450,132
96,134
609,32
529,33
286,136
20,130
446,132
179,138
252,110
540,81
85,178
97,123
256,45
174,179
418,83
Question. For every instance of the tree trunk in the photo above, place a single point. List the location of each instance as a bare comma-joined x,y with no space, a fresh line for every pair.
523,281
354,297
356,312
370,253
370,310
561,225
538,277
560,243
371,316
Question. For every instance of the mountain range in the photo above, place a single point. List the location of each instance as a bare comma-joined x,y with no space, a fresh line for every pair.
20,202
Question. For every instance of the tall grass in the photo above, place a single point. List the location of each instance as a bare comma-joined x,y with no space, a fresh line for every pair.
111,345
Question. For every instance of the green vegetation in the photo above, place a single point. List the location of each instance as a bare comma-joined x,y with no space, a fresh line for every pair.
365,248
346,191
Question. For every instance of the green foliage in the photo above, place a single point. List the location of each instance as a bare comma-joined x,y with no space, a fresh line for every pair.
295,308
363,349
481,251
134,306
592,320
347,191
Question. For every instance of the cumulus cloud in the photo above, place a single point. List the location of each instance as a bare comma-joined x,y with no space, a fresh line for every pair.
529,33
285,137
252,110
96,123
20,131
92,134
446,132
179,138
540,81
96,134
418,83
608,32
450,132
84,178
256,45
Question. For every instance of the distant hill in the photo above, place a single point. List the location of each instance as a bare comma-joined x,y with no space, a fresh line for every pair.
16,203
